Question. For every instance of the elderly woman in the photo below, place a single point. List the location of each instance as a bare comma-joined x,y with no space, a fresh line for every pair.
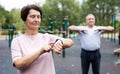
31,52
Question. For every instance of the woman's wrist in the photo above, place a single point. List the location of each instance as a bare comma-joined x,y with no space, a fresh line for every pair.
42,51
61,41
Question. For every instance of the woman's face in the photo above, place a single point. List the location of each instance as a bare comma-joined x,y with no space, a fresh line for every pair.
33,19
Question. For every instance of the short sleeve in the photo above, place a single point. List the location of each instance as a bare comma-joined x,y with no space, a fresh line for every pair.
102,28
15,50
81,27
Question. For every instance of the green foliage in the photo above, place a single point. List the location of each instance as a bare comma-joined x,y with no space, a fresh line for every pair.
51,10
5,18
57,9
117,25
8,18
17,19
102,9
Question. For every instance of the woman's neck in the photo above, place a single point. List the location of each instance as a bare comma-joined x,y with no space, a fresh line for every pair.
31,32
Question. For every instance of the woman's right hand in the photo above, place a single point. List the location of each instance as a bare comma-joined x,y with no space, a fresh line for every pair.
47,47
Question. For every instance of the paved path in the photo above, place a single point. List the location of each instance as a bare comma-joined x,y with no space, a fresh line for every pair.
71,63
5,59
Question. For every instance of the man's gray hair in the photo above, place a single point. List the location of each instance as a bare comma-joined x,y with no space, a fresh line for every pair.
89,16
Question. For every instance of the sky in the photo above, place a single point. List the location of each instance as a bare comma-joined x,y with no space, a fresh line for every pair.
10,4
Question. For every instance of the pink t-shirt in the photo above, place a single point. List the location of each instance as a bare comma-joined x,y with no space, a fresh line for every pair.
24,45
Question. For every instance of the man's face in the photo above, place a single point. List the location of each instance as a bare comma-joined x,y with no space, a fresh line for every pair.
90,20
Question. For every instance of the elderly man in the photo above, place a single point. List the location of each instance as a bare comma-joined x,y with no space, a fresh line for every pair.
90,43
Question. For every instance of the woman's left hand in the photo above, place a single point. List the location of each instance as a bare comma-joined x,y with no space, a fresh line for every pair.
57,47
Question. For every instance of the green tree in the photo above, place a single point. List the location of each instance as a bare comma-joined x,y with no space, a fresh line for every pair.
102,9
5,18
15,13
11,17
57,9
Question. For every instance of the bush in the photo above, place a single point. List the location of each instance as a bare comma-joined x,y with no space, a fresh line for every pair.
4,32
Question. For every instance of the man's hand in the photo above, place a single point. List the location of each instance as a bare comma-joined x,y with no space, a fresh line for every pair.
107,28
